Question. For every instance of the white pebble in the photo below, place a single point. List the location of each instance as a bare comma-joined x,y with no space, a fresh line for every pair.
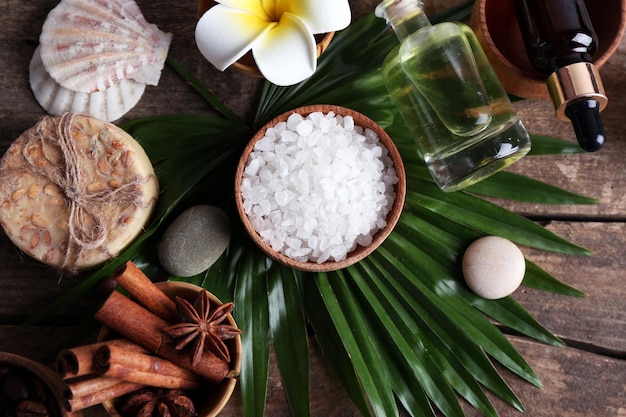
493,267
318,186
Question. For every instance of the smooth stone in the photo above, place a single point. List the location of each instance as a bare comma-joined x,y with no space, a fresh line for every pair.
493,267
194,241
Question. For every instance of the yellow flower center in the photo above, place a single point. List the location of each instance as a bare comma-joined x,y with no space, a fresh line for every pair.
274,10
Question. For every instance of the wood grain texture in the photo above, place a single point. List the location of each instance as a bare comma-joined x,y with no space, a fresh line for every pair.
585,379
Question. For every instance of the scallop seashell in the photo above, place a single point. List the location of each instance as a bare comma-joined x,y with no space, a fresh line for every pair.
90,45
107,105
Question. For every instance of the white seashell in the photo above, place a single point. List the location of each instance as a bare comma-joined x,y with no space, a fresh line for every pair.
107,105
90,45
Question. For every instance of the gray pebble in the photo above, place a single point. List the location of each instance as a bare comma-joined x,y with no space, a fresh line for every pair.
194,241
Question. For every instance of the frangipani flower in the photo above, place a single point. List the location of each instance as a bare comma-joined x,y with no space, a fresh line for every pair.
279,33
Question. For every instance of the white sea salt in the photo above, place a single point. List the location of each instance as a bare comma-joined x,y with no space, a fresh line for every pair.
315,187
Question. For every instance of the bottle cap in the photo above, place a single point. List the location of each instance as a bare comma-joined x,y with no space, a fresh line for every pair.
575,82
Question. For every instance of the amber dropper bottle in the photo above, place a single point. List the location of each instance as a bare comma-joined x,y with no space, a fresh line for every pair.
560,42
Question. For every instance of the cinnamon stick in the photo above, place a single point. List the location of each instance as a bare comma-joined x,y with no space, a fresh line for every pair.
105,394
82,387
146,329
133,280
114,362
78,361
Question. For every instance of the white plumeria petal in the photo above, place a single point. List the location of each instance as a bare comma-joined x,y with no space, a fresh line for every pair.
321,16
224,34
256,7
286,54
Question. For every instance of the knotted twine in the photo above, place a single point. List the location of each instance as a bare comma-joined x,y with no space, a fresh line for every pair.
64,164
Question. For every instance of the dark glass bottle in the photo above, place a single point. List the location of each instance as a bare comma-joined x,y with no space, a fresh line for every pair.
560,42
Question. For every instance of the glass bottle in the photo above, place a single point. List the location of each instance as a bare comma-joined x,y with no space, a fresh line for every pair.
560,43
450,98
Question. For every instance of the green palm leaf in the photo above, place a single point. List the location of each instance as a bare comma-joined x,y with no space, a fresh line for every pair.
510,186
328,336
354,334
415,346
470,359
546,145
489,218
289,335
252,316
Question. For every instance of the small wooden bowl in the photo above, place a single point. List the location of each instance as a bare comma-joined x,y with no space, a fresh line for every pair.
246,63
213,398
57,390
360,252
498,32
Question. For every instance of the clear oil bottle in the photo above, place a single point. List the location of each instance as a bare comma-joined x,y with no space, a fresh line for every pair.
451,100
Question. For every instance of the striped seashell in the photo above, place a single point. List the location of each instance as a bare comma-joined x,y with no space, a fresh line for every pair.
90,45
108,105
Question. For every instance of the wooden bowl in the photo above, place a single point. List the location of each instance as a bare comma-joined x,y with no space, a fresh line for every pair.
360,252
246,63
498,32
210,399
37,376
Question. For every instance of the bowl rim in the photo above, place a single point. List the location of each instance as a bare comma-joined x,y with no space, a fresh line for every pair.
360,252
53,381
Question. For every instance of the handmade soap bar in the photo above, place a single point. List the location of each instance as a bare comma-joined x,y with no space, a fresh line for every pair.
493,267
75,191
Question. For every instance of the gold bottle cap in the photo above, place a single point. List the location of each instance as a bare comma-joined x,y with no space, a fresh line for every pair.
575,81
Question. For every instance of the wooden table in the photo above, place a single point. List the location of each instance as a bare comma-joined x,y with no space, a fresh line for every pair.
585,379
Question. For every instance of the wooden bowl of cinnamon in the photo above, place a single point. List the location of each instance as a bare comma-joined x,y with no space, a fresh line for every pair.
205,387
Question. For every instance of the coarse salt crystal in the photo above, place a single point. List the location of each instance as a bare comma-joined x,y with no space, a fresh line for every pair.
305,128
293,121
316,117
265,144
348,123
253,167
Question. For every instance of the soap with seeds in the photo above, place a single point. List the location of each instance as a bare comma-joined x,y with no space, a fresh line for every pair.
75,191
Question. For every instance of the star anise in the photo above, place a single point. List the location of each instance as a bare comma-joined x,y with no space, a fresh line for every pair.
203,327
158,402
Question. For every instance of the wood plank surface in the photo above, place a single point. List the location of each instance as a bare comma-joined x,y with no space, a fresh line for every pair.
585,379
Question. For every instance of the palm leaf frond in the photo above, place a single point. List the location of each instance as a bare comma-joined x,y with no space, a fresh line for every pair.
289,335
252,316
348,319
